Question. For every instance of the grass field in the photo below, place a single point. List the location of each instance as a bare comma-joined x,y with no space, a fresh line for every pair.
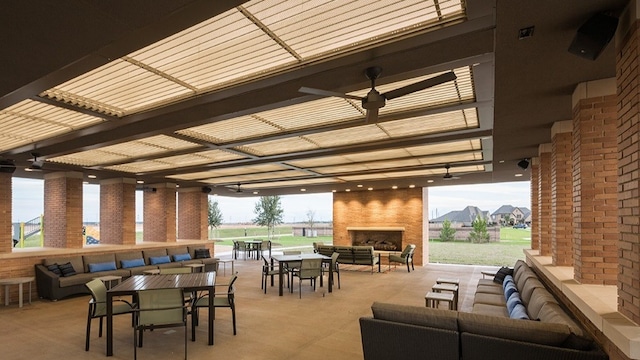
505,252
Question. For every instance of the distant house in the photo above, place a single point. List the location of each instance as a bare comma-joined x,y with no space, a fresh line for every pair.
460,218
515,215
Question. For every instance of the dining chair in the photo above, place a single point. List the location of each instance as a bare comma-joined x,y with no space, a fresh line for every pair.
291,266
242,247
405,257
159,308
224,299
269,270
310,269
98,307
333,266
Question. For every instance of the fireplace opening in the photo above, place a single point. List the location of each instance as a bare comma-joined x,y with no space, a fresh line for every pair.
379,239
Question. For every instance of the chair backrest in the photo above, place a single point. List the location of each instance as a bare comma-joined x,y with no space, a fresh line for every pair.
291,252
99,294
334,259
177,270
408,250
310,268
161,307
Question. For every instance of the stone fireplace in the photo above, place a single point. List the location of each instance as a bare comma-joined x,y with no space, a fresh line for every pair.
381,238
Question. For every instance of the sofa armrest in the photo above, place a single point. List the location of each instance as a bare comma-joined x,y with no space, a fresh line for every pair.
46,281
384,340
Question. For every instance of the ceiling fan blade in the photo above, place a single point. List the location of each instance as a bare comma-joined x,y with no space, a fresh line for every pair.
372,116
327,93
420,85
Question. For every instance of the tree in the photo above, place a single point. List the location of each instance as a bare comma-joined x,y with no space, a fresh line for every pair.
479,234
447,233
215,215
507,220
311,220
268,213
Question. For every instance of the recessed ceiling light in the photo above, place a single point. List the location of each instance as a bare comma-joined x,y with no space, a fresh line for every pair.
140,181
359,185
347,190
303,190
370,188
255,193
518,175
430,181
91,176
411,186
394,187
334,190
501,161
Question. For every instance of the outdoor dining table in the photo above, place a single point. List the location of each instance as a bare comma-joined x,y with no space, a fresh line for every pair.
187,282
285,259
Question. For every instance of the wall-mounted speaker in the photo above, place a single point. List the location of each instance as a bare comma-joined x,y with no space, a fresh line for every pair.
593,36
206,189
7,166
523,164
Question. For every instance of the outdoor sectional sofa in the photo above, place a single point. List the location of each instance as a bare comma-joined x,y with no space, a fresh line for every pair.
354,255
54,285
488,332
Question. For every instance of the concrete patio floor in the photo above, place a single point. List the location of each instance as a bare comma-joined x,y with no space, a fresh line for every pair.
321,325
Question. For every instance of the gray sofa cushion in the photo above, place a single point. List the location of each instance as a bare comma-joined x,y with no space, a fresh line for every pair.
538,332
490,299
527,290
491,310
539,297
441,319
553,313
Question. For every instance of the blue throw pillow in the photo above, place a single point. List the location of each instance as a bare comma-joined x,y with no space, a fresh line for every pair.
106,266
159,260
509,289
514,300
181,257
131,263
519,312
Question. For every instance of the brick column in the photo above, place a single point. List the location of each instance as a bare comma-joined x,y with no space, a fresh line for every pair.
595,167
535,220
6,233
193,214
159,213
561,194
63,210
544,199
118,211
628,124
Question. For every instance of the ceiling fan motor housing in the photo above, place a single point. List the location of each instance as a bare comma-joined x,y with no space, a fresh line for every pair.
373,100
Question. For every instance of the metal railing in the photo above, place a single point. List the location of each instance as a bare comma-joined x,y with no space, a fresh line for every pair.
27,229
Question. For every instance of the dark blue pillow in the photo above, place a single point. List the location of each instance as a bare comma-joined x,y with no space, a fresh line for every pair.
509,289
131,263
105,266
181,257
67,269
55,269
514,300
519,312
155,260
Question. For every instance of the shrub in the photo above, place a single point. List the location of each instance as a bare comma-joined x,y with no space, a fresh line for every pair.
479,234
447,233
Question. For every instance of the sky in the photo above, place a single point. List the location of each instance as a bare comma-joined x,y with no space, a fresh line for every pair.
28,201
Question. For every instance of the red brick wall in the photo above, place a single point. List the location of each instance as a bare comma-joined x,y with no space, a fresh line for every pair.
627,64
595,166
380,208
6,233
544,203
535,220
118,211
63,210
192,214
561,197
159,214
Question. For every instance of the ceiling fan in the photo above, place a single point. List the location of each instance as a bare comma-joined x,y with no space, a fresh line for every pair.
237,188
374,99
9,165
448,175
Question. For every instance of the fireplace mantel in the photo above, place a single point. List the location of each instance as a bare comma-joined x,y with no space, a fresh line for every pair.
375,228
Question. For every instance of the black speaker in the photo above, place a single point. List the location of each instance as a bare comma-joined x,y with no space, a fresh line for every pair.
523,164
593,36
206,189
7,166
